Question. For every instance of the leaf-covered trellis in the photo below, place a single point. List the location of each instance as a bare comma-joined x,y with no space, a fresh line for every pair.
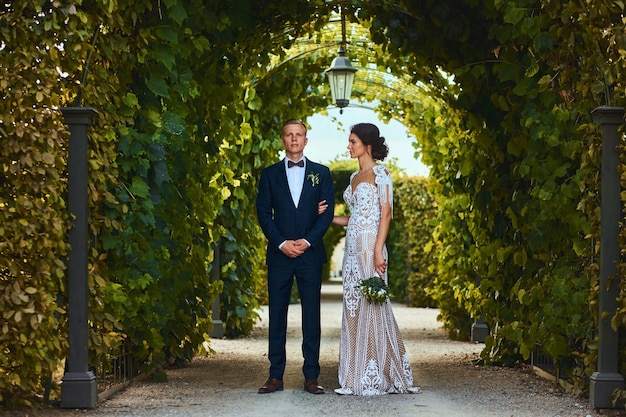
191,96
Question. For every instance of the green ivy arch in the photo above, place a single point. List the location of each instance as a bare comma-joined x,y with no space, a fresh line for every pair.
190,112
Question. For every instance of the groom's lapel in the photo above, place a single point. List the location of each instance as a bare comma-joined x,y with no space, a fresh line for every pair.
307,168
306,185
282,177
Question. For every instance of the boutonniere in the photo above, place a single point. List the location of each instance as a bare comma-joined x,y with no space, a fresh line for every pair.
314,178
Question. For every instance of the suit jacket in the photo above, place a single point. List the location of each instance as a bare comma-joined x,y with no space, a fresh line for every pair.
281,220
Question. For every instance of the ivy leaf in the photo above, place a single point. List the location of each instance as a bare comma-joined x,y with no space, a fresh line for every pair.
168,33
545,80
139,188
532,69
165,56
543,41
513,14
158,87
255,103
173,123
178,13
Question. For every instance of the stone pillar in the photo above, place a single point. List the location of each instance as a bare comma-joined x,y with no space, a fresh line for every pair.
218,325
607,378
78,389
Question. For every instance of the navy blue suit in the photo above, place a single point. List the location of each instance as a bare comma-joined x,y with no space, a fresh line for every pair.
281,220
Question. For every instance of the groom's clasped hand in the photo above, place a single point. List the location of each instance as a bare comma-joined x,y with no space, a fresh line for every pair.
294,248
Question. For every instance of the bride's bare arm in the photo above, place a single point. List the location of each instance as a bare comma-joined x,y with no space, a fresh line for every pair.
341,220
380,263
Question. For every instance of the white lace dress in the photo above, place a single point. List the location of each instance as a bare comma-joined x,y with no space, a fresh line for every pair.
372,359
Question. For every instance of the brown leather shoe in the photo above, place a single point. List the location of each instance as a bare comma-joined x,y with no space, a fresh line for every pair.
271,385
311,386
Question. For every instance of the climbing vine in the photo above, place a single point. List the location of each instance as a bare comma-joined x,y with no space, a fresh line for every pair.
190,98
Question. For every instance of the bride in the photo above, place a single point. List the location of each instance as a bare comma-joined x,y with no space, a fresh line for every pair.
373,359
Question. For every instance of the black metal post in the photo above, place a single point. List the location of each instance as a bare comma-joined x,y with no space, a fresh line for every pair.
479,330
78,389
607,378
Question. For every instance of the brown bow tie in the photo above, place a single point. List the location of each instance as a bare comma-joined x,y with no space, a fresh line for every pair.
291,164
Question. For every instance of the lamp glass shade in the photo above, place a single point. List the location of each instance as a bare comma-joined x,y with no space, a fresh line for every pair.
341,76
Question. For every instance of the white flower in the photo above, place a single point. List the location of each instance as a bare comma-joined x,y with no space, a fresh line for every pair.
374,290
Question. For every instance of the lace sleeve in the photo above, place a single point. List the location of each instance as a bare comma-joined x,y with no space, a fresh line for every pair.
384,184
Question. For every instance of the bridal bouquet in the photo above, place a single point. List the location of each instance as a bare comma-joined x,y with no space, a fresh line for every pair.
374,290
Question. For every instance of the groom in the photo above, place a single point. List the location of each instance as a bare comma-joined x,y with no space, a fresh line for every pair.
287,208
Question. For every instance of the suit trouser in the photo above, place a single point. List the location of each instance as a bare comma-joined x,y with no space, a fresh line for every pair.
280,281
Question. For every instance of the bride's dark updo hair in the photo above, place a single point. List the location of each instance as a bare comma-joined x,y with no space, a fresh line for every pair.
370,135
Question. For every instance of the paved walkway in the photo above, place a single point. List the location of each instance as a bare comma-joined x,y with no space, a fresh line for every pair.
225,384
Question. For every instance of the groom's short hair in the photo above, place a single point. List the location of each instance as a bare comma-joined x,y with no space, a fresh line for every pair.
295,122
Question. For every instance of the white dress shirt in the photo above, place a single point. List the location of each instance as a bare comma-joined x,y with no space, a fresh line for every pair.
295,177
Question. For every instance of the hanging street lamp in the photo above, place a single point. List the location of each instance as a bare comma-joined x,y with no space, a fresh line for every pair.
341,73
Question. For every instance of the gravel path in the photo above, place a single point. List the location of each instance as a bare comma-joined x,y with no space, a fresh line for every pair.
225,384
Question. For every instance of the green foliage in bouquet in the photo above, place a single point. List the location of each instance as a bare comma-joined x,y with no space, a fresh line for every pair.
374,290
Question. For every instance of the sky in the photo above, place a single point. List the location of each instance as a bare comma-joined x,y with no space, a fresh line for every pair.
328,138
